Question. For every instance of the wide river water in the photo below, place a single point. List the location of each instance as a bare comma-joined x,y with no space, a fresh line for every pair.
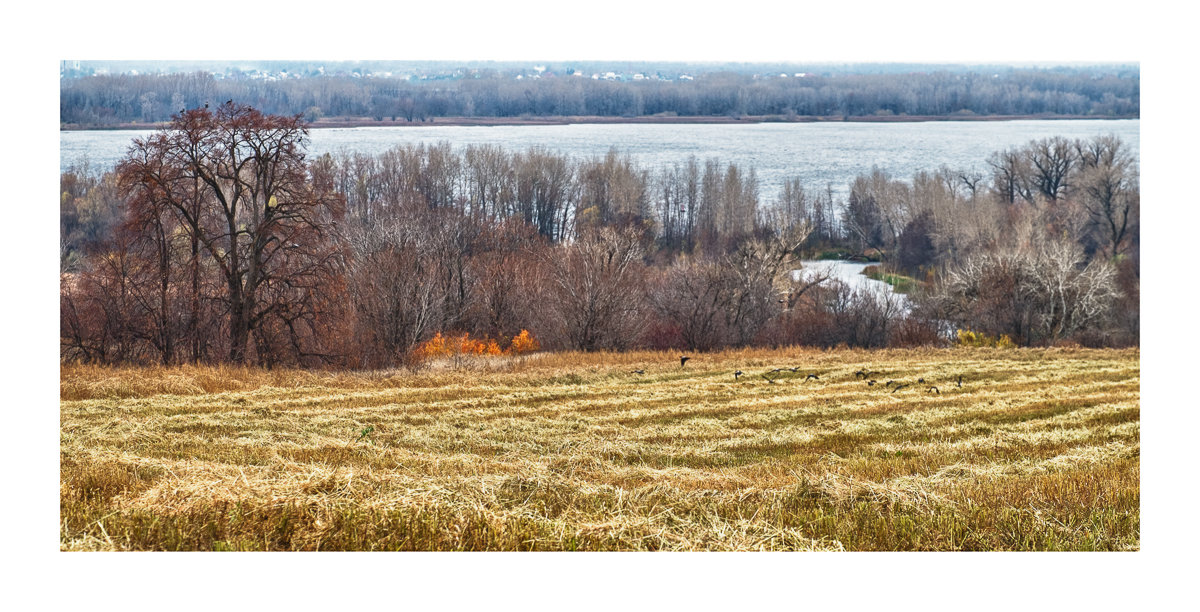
816,153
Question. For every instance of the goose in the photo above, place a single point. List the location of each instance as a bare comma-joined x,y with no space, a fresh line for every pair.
812,377
683,359
899,387
960,381
638,372
737,374
871,383
935,390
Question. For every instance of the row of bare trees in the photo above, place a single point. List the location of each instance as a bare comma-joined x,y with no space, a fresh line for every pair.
689,206
1071,91
225,244
1087,189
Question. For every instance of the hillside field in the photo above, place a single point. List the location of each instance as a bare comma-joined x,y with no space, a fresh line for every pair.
1038,449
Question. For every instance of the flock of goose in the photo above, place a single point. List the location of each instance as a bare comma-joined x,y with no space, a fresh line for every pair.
871,382
864,375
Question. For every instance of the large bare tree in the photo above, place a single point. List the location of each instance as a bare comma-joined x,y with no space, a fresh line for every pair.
237,181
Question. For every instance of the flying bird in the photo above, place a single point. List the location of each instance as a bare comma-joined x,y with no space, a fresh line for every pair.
683,359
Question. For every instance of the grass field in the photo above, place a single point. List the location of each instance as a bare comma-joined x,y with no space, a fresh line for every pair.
1038,449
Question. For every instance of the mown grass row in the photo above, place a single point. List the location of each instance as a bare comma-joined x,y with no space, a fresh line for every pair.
1038,449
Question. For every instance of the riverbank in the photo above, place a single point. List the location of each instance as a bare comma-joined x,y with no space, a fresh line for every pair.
353,122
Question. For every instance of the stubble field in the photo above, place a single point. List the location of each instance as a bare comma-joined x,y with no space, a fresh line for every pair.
1038,449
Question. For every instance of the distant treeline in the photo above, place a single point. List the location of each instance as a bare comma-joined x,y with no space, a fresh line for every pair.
106,100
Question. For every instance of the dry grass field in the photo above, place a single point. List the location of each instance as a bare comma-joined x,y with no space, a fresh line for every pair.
1037,450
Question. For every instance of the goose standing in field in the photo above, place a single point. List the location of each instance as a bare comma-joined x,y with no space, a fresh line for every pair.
683,359
899,387
737,374
638,372
811,377
769,379
960,381
871,383
934,390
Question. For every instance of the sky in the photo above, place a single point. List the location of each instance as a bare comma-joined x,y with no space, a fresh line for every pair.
742,30
1157,34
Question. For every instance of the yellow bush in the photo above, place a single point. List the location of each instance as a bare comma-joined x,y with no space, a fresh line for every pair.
967,337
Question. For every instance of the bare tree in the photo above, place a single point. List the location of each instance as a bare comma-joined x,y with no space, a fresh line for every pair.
1034,295
1072,295
1051,160
1108,185
394,284
258,209
694,296
596,288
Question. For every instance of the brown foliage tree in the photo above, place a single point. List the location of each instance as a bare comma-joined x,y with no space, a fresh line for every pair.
237,183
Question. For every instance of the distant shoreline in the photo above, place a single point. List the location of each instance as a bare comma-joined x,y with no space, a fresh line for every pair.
354,122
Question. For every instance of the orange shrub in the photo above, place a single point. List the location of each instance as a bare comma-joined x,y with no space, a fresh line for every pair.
523,342
434,347
451,346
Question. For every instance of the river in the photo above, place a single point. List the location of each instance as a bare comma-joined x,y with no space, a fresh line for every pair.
850,273
819,154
